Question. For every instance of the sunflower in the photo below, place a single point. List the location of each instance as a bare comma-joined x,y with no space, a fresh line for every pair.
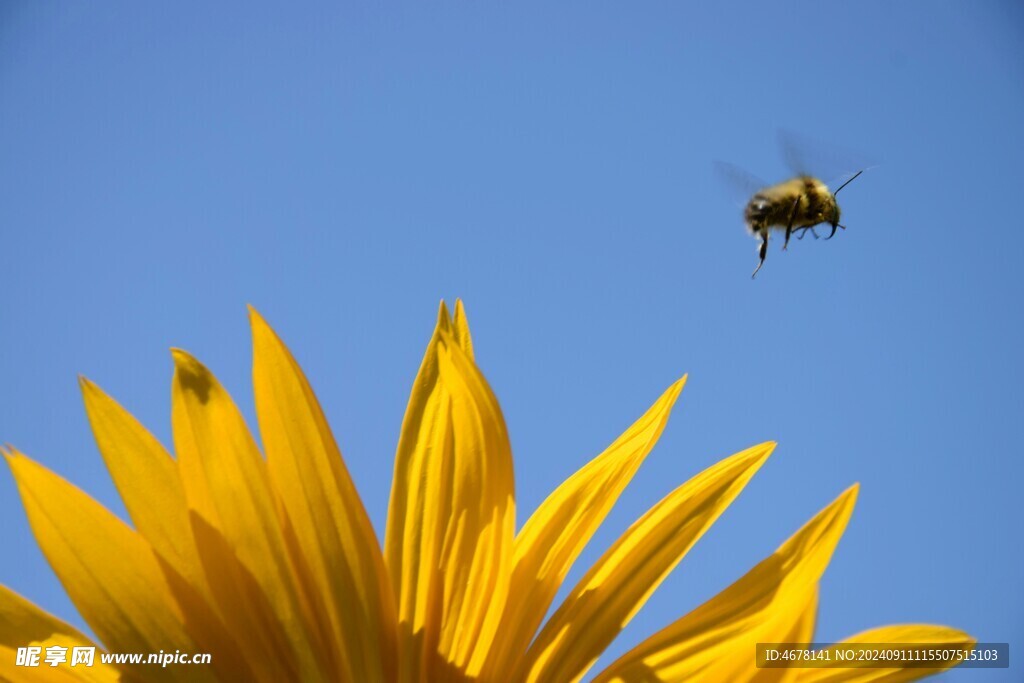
268,561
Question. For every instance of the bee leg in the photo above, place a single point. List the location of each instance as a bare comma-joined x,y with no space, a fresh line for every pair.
832,234
763,251
789,226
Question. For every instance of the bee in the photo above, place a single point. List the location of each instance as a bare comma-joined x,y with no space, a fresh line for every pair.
799,204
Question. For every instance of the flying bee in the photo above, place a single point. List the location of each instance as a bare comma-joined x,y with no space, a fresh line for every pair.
800,204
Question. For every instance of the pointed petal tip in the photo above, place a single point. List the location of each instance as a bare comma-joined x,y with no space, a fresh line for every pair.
191,375
755,456
460,325
264,336
181,357
460,311
184,362
848,497
751,458
759,454
91,393
676,387
88,387
259,325
16,460
257,321
835,515
667,401
444,318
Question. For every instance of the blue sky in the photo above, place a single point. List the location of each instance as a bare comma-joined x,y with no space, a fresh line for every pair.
345,168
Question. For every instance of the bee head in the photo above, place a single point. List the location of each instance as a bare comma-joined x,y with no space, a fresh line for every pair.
834,221
833,217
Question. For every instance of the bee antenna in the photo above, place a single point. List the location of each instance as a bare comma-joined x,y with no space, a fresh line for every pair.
847,182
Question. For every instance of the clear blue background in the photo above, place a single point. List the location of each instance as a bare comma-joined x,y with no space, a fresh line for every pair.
343,169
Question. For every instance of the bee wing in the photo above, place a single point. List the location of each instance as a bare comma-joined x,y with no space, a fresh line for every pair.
807,156
794,152
740,185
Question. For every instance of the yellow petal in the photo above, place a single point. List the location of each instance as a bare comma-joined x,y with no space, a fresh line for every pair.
417,510
22,624
460,328
332,528
109,572
800,622
925,634
234,651
226,484
451,519
147,478
716,641
246,607
477,554
557,532
618,585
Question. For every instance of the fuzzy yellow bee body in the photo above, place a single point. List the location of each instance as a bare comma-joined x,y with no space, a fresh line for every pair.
798,204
